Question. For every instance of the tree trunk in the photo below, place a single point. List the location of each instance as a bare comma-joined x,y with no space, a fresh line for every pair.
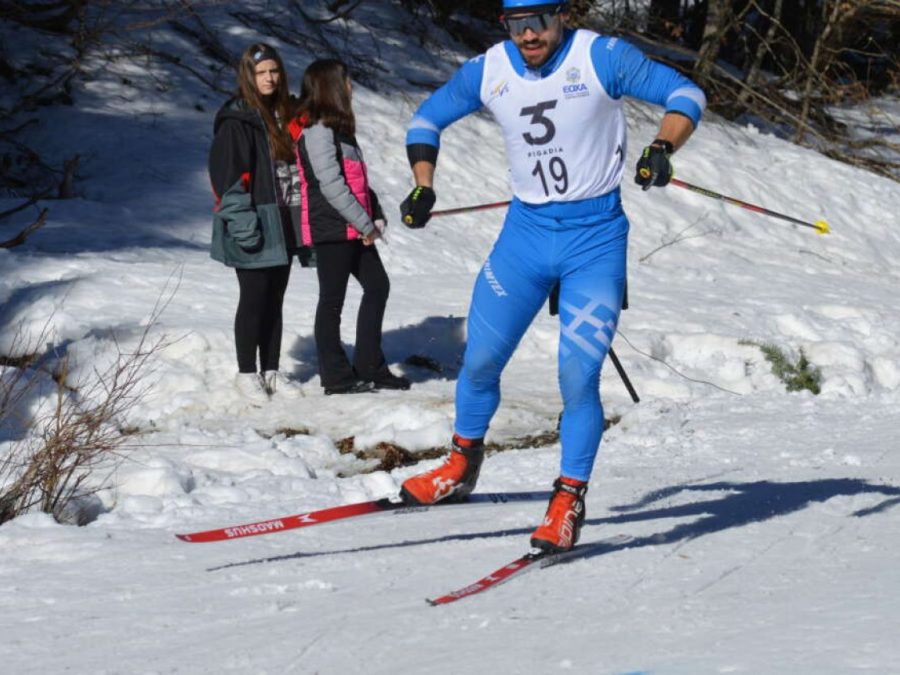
718,20
762,48
663,16
831,16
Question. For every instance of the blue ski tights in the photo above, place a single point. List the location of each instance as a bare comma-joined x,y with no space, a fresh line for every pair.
586,255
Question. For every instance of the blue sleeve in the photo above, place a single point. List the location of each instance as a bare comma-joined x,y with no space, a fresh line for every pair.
625,71
456,99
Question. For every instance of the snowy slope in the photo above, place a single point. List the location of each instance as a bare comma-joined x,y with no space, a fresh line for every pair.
765,522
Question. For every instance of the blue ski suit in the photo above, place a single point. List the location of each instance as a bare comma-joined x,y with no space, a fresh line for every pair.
565,225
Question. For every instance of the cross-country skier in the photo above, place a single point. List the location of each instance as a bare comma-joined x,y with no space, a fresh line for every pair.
557,94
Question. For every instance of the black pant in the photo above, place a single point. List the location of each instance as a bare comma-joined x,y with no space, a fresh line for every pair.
335,262
257,323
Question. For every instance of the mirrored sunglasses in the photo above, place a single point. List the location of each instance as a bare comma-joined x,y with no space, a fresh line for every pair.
538,23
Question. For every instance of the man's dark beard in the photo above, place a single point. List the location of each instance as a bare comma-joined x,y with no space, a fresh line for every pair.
533,43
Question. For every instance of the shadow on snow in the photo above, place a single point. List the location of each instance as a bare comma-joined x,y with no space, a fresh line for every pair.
440,339
745,503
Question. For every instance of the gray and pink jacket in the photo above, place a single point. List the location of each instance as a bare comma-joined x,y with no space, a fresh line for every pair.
337,203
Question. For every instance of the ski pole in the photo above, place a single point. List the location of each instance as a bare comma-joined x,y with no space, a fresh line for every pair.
625,380
819,226
467,209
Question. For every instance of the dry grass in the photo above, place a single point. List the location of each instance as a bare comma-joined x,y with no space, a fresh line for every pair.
77,429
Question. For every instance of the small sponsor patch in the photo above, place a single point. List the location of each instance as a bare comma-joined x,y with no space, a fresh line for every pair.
500,89
495,285
576,90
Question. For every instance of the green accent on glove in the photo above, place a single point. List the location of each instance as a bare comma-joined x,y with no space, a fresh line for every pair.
654,168
415,211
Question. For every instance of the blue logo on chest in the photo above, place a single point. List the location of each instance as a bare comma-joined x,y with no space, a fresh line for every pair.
575,90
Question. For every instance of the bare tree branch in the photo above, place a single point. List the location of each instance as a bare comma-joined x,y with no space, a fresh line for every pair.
20,238
20,207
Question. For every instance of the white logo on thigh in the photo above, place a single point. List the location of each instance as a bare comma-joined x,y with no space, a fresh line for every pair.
498,289
604,328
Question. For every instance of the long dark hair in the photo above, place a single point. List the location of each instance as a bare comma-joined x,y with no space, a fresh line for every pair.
276,109
324,97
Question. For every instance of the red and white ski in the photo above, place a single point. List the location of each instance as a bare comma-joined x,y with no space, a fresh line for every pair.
534,559
336,513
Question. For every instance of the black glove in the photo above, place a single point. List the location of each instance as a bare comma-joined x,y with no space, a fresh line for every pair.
415,210
654,168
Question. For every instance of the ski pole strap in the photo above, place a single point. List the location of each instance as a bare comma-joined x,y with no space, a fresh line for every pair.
819,226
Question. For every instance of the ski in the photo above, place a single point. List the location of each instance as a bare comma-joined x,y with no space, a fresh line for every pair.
534,559
335,513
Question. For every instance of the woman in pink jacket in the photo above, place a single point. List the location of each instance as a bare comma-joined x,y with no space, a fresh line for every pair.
341,218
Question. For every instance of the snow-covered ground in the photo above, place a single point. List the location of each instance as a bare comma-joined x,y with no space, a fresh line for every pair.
766,524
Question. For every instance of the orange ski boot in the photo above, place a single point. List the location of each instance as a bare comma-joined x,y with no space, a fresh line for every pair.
451,481
565,516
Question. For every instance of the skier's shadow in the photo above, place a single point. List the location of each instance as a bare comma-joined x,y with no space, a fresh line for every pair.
742,504
375,547
439,341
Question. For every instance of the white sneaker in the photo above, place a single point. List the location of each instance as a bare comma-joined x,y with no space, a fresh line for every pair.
252,387
278,385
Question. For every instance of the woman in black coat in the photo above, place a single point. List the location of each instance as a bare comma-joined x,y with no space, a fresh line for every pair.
255,179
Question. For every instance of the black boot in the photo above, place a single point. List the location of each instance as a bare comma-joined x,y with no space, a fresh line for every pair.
350,387
387,380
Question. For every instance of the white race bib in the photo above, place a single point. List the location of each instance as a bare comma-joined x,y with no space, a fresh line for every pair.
565,136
